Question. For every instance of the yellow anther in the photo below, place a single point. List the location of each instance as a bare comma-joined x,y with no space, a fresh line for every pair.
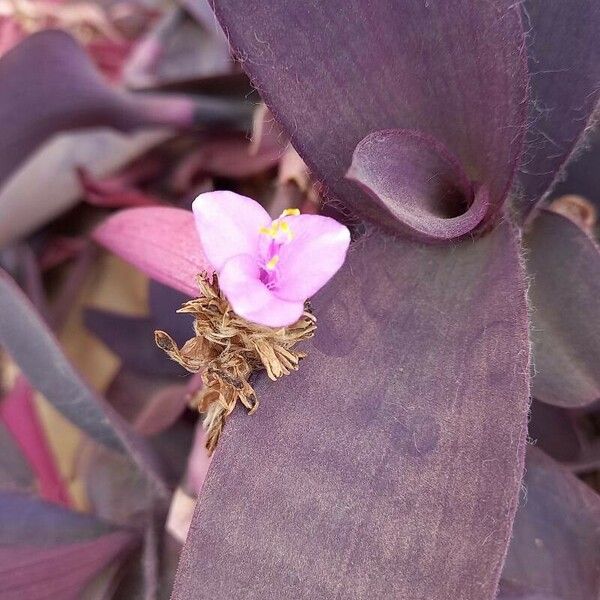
270,231
290,212
272,263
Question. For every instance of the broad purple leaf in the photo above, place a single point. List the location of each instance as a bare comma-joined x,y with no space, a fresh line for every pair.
162,242
333,73
556,538
47,552
389,465
39,356
564,62
564,266
508,591
395,167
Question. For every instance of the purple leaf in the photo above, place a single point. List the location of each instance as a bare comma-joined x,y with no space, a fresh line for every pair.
162,242
150,403
132,340
333,73
389,465
164,302
508,591
396,167
39,356
15,473
564,265
179,51
582,174
566,435
555,547
564,62
23,517
47,552
49,84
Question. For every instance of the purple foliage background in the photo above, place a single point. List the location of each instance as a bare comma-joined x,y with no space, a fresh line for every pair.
442,439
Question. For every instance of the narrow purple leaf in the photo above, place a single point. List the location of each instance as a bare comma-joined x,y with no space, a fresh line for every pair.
47,552
564,62
333,73
15,473
582,174
24,517
18,412
164,302
555,547
564,266
162,242
49,84
132,340
389,465
39,356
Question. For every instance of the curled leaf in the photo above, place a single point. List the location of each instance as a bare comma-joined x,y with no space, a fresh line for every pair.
382,69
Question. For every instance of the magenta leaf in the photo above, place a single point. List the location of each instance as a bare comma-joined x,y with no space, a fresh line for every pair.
555,547
389,466
564,62
37,353
564,265
48,552
160,241
18,412
333,73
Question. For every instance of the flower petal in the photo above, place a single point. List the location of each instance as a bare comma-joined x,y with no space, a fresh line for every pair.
228,225
316,252
251,299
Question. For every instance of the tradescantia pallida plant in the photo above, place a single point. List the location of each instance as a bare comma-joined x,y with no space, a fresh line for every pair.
390,464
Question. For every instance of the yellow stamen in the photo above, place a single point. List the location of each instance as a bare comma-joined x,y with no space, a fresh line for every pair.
272,263
270,231
290,212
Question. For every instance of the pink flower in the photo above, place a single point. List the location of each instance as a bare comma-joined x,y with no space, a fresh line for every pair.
267,269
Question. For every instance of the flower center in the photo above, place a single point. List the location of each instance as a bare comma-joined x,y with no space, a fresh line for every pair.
278,234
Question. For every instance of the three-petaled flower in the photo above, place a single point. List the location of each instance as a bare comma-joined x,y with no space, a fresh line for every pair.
268,268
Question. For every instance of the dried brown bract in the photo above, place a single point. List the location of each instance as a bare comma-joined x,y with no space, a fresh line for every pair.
227,350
